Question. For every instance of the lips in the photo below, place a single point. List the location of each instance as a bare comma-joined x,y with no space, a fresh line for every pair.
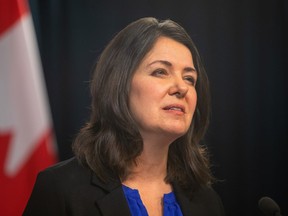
175,107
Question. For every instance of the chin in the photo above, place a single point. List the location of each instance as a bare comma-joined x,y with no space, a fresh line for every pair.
175,134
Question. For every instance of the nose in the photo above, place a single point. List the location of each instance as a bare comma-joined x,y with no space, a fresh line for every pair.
178,88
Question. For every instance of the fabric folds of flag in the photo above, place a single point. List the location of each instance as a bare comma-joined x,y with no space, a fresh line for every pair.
26,137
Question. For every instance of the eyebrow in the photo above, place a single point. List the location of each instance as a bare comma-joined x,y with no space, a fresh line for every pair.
169,64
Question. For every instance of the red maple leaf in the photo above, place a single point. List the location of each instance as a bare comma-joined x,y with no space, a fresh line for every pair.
15,190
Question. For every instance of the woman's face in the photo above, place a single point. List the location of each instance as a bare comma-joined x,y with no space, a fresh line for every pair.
163,96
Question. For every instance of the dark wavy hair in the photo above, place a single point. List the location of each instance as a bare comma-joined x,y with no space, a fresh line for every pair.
110,141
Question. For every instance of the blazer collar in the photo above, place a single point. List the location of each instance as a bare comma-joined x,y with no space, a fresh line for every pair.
114,202
108,186
183,200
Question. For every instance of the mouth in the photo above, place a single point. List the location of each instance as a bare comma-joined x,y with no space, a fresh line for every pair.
175,107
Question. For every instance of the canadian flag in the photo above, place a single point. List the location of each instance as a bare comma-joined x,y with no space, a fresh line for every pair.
26,138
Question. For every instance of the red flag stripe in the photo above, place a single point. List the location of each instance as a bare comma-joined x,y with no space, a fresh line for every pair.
26,139
10,12
16,190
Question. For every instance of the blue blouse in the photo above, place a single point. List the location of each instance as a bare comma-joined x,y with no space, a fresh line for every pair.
137,208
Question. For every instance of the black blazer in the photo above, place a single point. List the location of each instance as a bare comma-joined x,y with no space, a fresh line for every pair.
68,188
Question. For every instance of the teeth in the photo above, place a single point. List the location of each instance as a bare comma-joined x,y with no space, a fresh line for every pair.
175,108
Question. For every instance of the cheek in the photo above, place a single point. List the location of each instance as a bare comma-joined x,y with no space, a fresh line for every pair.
145,92
136,95
192,102
137,99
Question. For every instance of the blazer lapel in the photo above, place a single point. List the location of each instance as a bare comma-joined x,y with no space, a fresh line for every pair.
183,200
114,202
198,204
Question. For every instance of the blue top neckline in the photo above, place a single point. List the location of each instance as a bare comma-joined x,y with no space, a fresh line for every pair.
137,208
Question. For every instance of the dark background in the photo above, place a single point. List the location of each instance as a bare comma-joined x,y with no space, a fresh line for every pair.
243,44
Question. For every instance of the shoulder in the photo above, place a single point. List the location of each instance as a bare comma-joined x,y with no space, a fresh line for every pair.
207,195
211,200
68,165
70,168
65,174
65,186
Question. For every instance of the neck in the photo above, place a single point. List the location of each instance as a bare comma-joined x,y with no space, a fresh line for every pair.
151,165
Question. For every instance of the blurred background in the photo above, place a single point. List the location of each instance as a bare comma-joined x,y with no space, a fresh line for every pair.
243,45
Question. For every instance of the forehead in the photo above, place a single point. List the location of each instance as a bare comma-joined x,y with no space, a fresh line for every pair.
168,49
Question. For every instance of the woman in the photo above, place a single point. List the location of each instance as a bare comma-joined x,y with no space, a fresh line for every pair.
140,153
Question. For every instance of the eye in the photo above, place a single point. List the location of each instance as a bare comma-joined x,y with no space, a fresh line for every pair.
191,80
159,72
